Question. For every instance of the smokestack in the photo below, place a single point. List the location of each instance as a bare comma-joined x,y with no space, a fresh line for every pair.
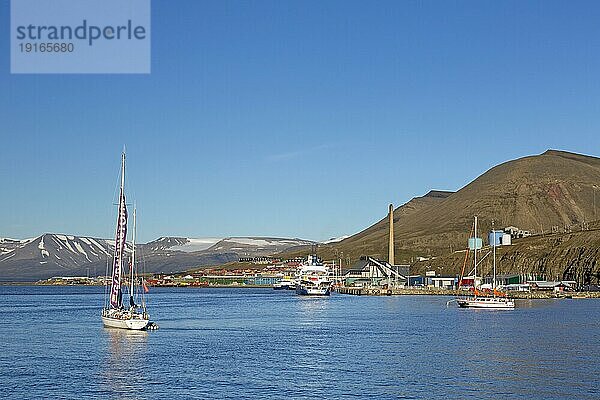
391,244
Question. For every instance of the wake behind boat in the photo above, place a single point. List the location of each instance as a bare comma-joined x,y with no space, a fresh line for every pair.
114,313
314,278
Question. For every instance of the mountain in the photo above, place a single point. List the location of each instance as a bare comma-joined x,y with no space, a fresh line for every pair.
373,240
552,195
336,239
65,255
56,254
379,231
551,192
258,246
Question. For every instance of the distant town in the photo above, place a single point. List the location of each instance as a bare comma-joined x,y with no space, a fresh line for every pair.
369,276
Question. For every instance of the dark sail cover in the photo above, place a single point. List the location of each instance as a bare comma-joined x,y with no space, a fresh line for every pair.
120,238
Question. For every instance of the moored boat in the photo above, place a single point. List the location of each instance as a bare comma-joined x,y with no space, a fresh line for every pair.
285,284
496,300
313,278
486,302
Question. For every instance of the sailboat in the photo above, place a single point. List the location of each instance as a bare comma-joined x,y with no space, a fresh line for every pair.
497,301
114,313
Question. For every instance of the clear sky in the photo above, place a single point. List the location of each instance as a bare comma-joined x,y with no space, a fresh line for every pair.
296,118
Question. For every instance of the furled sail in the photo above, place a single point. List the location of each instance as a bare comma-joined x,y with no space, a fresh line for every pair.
120,237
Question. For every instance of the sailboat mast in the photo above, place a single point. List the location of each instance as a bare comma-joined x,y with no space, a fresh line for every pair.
475,256
132,257
121,234
494,244
122,172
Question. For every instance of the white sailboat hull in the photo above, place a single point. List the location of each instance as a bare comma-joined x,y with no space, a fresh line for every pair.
113,318
485,302
132,324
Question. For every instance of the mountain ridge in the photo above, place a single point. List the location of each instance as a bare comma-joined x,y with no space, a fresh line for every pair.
551,192
51,254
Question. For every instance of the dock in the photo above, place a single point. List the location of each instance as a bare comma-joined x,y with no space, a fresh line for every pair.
403,291
378,291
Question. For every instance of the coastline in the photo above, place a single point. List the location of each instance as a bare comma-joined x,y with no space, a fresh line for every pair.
154,286
364,291
373,291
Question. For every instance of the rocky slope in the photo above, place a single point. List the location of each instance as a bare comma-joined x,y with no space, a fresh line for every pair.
558,256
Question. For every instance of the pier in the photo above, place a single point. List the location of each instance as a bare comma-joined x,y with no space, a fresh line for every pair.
403,291
379,291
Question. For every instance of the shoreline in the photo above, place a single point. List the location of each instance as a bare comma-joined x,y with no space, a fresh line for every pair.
364,291
156,286
373,291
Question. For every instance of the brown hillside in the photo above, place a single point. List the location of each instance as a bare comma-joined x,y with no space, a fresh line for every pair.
570,256
418,204
540,193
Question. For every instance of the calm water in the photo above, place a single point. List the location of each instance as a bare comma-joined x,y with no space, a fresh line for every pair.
260,343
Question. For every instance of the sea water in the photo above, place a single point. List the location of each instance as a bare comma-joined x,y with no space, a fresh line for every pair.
266,344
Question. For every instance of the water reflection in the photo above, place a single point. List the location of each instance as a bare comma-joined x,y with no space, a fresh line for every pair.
123,372
313,303
311,310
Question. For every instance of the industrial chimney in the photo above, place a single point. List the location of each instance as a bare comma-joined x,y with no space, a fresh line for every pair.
391,244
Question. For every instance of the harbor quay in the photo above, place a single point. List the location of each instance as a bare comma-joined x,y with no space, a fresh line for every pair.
408,291
258,281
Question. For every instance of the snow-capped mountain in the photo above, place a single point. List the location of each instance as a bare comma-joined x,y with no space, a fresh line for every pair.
243,246
336,239
51,254
65,255
187,245
7,245
257,246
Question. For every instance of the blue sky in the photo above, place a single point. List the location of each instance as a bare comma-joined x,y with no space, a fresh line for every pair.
296,118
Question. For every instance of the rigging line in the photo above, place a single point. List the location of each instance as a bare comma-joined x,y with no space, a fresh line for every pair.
483,258
141,271
104,283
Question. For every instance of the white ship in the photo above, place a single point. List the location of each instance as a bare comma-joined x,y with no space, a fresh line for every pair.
313,278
